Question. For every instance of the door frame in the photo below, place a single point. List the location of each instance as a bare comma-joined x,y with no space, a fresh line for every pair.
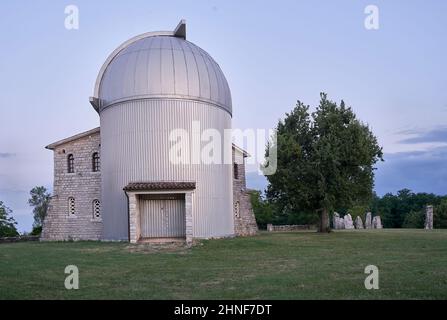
135,215
156,209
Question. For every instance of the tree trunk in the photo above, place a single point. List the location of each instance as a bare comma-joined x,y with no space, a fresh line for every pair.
324,221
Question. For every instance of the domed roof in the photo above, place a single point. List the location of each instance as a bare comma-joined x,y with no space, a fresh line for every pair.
161,65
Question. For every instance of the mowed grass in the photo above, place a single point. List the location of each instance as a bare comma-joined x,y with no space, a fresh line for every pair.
295,265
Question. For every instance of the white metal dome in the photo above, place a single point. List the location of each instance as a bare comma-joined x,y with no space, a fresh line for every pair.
158,65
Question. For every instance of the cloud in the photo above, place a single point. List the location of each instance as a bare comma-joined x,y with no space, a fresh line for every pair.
7,155
256,181
420,171
430,136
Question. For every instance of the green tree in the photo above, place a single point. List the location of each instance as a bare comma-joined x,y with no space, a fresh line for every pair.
414,220
390,210
406,208
440,215
40,200
358,210
7,223
325,160
263,210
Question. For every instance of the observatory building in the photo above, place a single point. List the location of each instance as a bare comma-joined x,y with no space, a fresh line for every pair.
119,182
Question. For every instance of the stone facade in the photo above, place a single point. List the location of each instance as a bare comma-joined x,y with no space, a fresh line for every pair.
83,185
244,217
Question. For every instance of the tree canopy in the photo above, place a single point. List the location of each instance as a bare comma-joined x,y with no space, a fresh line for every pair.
325,160
7,223
39,200
406,209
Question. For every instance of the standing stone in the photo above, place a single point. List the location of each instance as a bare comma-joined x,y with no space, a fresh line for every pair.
368,224
348,221
335,218
269,227
377,223
338,222
358,223
341,223
429,217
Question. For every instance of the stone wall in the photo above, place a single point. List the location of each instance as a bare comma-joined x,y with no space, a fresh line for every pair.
19,239
83,185
289,227
244,218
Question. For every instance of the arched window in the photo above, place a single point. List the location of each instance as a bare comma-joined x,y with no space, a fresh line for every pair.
70,163
96,164
71,206
96,209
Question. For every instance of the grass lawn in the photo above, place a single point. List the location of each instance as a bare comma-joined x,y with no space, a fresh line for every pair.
295,265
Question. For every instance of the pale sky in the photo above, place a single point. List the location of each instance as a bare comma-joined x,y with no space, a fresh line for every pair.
272,53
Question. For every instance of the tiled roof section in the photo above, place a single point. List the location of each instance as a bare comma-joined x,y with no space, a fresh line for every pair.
160,185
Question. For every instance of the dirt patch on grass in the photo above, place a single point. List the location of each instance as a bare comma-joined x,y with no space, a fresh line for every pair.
98,250
150,248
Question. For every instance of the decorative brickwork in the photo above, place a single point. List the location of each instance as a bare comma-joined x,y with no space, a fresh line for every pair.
83,185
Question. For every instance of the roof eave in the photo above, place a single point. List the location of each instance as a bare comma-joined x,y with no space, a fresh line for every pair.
54,145
245,153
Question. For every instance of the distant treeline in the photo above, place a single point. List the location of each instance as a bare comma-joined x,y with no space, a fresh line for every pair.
405,209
